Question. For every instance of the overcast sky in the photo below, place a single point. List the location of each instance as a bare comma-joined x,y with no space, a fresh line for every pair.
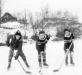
15,6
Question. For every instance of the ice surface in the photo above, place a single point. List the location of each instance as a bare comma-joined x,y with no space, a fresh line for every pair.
55,56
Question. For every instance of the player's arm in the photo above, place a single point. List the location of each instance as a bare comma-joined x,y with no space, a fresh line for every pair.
66,40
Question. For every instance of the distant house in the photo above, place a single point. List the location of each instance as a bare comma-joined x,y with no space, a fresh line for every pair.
7,17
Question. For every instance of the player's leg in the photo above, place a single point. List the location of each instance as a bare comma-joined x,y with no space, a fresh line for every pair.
10,58
24,58
17,55
39,55
44,58
71,54
66,54
71,58
66,60
40,58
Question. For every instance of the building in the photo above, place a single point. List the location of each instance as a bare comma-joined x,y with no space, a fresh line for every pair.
7,17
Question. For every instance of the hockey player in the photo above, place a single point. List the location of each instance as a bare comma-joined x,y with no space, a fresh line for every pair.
15,42
68,45
41,41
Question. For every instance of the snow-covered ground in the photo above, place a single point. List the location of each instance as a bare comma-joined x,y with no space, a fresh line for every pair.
55,56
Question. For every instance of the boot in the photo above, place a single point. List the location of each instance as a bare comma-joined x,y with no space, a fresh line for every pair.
26,64
9,65
45,64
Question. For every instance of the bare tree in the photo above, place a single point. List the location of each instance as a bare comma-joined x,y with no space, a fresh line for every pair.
32,22
41,16
0,9
71,22
38,21
45,12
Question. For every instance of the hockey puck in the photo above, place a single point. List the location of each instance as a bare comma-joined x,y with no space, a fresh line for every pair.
55,70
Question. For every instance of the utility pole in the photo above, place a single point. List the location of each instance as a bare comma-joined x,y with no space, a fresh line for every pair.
0,10
25,22
25,18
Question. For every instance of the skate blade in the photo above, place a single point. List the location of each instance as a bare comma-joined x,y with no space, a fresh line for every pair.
40,72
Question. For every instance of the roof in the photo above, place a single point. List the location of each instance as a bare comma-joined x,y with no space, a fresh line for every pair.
7,17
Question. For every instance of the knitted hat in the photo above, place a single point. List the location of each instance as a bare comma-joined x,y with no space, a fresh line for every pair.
41,32
18,33
66,30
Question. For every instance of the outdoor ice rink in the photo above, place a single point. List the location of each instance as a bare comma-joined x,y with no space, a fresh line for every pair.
63,10
55,56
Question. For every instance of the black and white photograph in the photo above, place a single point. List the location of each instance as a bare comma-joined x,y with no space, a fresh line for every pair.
40,37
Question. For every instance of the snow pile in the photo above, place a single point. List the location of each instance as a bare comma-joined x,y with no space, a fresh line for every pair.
3,35
11,25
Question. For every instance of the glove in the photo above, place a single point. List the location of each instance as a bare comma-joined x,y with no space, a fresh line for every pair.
16,57
67,51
